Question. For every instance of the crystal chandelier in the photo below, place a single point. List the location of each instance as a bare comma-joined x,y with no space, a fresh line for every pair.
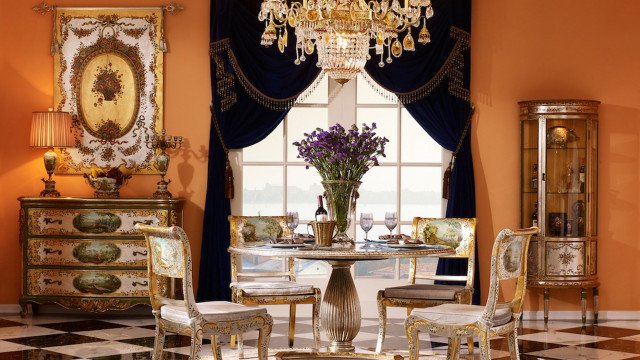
342,30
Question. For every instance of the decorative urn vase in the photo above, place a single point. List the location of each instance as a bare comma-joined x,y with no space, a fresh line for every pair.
341,200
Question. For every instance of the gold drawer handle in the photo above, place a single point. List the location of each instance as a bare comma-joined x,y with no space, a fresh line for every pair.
143,253
48,221
144,283
48,251
49,282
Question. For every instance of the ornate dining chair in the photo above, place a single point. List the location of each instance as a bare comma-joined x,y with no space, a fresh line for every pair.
245,285
508,261
458,233
169,257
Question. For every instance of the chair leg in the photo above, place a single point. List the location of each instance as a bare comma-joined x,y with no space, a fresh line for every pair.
382,322
513,345
215,347
316,320
470,345
453,351
240,346
409,310
264,335
485,351
412,338
196,343
158,343
292,323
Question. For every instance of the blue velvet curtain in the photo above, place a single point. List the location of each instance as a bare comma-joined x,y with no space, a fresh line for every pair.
254,87
432,82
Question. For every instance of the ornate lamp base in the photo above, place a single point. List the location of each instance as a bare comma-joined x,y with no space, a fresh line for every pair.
161,190
49,189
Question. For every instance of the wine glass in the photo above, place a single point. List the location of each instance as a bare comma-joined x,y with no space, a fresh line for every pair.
391,220
366,223
292,222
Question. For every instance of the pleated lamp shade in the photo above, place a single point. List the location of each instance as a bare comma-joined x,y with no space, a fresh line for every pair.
51,129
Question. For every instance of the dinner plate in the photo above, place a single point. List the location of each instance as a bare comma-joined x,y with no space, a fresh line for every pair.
287,246
409,246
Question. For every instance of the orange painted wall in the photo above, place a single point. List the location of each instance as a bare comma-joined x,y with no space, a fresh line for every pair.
531,49
26,73
523,49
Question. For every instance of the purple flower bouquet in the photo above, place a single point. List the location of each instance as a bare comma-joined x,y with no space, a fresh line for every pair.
342,157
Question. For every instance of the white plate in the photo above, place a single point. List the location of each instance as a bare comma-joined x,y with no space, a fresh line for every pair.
408,246
287,246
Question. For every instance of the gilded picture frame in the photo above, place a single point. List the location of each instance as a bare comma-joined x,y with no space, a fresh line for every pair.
108,73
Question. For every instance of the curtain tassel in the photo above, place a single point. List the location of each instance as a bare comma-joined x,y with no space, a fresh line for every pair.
229,190
446,179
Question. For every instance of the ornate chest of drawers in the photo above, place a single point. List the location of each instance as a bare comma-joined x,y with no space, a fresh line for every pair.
85,253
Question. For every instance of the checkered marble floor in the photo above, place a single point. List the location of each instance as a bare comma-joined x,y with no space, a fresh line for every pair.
131,337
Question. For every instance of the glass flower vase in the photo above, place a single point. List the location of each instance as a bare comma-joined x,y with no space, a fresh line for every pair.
341,200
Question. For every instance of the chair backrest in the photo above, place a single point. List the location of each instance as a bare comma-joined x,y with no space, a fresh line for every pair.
458,233
255,231
509,261
168,257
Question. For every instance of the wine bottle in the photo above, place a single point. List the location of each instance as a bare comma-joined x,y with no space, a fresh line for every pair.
534,177
321,213
534,215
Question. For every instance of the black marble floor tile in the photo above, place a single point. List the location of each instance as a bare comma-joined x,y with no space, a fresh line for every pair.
7,323
83,325
605,331
54,340
35,354
170,341
627,346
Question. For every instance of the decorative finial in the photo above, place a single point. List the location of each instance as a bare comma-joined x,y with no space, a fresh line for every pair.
172,8
43,8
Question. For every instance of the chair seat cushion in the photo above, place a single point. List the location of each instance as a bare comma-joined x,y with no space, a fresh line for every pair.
424,291
273,288
461,314
212,311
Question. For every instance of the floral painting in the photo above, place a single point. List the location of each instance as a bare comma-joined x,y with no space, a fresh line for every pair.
108,74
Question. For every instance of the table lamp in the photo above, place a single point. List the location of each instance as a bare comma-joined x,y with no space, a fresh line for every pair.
50,129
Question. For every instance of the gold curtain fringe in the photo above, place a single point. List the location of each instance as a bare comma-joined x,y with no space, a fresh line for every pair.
311,88
221,47
229,189
386,94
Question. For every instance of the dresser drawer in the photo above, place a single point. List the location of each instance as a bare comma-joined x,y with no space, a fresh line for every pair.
103,222
86,252
87,283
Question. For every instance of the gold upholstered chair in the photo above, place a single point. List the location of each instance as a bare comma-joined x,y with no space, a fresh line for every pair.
169,257
458,233
246,287
455,321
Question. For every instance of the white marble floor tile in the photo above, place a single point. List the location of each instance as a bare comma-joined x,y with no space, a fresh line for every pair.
133,321
551,325
626,324
582,353
7,346
119,333
44,319
97,349
12,332
561,338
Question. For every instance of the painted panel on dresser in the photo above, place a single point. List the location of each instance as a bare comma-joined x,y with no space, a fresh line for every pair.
87,252
112,283
565,258
45,221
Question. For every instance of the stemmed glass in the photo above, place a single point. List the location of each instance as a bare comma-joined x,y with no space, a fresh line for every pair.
292,222
391,221
366,223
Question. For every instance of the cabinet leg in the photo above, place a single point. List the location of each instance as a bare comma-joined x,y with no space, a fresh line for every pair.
24,307
583,300
596,295
546,306
35,309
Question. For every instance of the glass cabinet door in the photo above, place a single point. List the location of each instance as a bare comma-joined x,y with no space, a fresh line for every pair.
565,177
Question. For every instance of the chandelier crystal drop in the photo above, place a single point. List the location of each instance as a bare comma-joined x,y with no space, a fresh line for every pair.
343,31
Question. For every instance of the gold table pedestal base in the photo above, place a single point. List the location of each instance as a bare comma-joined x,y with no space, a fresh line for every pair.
340,310
295,355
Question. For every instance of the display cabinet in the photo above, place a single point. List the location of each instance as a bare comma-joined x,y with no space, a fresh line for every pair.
85,253
559,172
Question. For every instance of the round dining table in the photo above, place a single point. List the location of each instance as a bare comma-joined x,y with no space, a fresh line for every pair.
340,314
